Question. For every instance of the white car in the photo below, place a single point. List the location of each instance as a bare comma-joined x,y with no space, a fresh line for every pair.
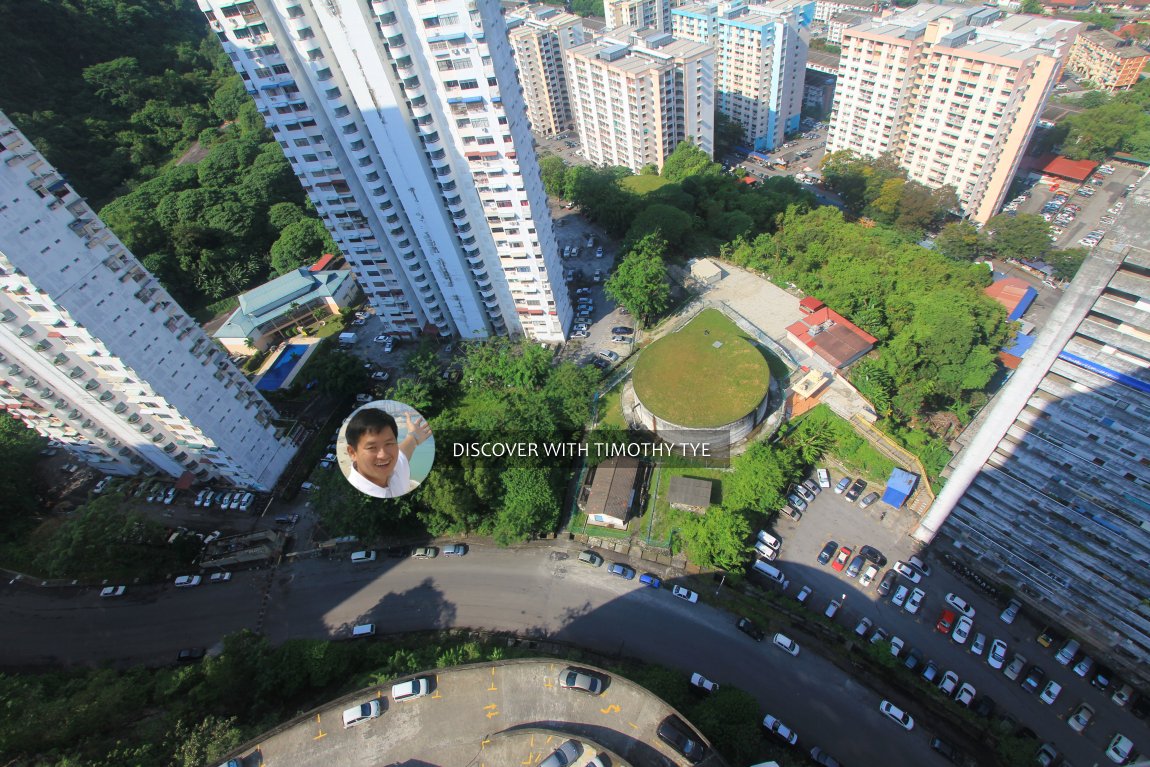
896,645
776,727
222,577
200,498
169,496
1081,718
960,605
916,561
246,503
382,339
113,591
187,581
363,556
684,593
979,644
908,571
996,658
832,608
965,694
962,630
1120,749
1050,692
863,627
900,595
915,601
896,715
868,576
411,689
380,375
701,682
786,644
949,683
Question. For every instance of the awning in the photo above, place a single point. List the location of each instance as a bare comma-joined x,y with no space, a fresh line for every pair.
481,155
448,38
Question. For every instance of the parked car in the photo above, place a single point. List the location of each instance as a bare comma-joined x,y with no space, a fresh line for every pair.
651,581
411,689
775,726
856,490
828,552
1014,669
748,627
786,644
949,684
900,595
1050,692
896,715
960,605
621,570
887,583
221,577
186,581
868,500
915,601
996,658
843,484
868,576
580,680
908,571
962,630
873,554
112,591
1081,718
685,593
965,694
455,550
590,558
363,556
700,683
844,554
676,734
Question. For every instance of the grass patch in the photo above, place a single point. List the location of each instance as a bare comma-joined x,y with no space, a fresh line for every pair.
643,184
610,410
852,451
684,378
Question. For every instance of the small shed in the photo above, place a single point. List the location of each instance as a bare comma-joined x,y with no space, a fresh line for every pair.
899,487
612,493
1015,294
706,271
689,494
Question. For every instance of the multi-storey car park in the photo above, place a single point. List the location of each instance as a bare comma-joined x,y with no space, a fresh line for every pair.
96,354
407,130
1052,495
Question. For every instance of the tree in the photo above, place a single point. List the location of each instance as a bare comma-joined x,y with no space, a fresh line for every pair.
688,160
1066,262
554,173
960,240
284,214
19,446
1096,133
759,478
1025,237
1033,7
717,538
673,224
301,243
728,134
640,282
529,506
116,81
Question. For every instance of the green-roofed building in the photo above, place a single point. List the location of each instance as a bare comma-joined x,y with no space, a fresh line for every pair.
265,312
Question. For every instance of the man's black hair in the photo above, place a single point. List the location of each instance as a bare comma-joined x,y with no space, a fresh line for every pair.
369,420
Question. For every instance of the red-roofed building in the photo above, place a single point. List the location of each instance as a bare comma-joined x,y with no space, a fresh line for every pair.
324,263
1062,167
1112,62
1013,293
829,335
1068,5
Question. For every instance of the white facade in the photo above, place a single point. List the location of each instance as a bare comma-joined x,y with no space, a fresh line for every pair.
760,61
645,14
540,35
954,92
96,354
408,131
637,94
825,10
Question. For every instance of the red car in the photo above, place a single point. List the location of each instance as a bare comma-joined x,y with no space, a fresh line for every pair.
945,622
841,559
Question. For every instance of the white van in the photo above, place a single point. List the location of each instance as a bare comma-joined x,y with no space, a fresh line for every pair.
824,477
413,688
770,571
363,556
1068,652
765,551
363,630
361,713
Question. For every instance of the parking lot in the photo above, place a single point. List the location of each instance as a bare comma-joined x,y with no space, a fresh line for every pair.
830,517
1105,191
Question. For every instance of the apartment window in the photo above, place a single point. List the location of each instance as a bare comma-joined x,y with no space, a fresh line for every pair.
280,69
305,34
468,85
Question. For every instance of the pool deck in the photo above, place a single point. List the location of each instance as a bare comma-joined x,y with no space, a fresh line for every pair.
311,343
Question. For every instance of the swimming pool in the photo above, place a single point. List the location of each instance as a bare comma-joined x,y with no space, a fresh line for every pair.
282,367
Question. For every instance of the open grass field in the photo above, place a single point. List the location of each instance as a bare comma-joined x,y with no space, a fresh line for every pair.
685,379
643,184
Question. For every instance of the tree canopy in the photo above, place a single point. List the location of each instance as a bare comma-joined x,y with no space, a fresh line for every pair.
640,281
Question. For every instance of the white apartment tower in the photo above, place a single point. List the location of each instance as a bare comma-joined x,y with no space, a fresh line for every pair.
760,61
540,36
637,94
96,354
407,128
645,14
954,92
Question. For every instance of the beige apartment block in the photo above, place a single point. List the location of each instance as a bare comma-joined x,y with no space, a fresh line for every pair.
540,35
637,94
953,92
645,14
1107,60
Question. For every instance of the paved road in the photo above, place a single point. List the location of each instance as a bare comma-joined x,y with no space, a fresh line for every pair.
529,589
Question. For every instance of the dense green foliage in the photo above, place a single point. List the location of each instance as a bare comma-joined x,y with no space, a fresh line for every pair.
112,90
1108,124
939,334
879,189
507,392
19,448
1026,237
699,208
192,716
640,281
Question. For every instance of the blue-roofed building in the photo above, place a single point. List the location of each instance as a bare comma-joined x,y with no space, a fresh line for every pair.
899,487
266,312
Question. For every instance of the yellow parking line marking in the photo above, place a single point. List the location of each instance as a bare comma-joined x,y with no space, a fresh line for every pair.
483,743
533,740
492,688
612,709
322,734
633,725
436,695
491,709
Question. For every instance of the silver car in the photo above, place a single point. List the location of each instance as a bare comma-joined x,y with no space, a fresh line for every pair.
564,755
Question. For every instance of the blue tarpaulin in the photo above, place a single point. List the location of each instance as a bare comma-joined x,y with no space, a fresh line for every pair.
899,487
1023,305
1020,346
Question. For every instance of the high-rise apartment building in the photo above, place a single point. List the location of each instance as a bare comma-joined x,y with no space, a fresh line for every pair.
638,93
1111,62
760,61
1052,493
954,92
540,36
645,14
96,354
407,128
